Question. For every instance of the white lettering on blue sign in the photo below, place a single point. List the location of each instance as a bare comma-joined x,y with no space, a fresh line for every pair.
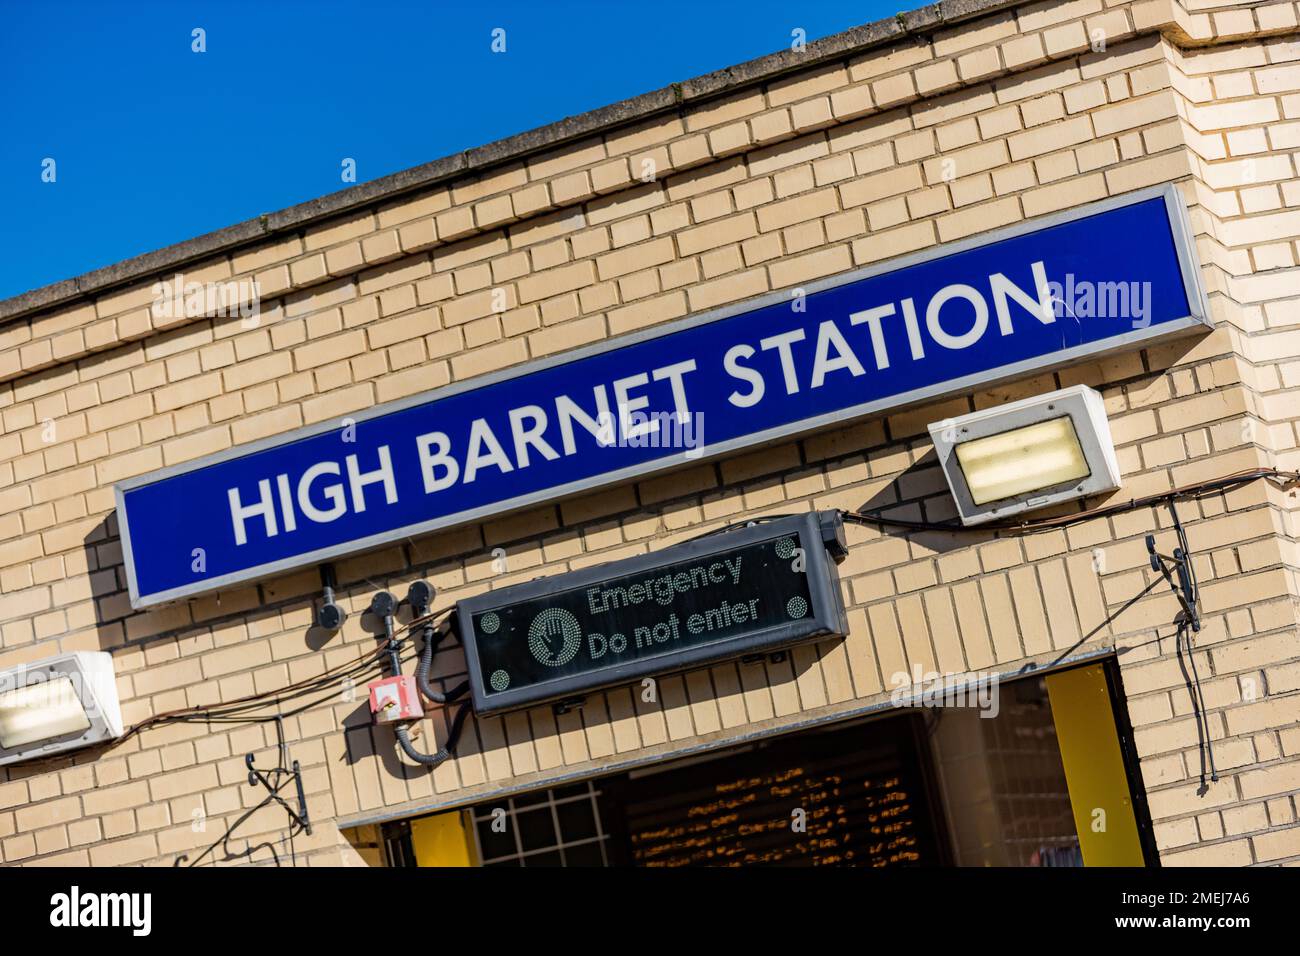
1036,296
532,428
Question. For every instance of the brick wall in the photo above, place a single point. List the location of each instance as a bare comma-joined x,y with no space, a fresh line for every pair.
941,133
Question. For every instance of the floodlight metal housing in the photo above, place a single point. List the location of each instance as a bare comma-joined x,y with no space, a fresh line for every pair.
1029,454
58,704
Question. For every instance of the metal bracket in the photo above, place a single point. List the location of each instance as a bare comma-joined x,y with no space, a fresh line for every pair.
1185,589
274,781
1187,592
329,614
256,776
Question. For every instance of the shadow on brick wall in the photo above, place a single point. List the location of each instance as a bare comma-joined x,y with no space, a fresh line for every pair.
920,493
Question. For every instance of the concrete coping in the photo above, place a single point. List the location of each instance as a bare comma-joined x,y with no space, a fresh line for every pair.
510,149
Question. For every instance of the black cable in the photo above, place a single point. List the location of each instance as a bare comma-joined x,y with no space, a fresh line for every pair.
743,523
446,751
860,517
363,667
244,711
1205,714
433,636
1028,668
274,698
1187,560
1036,525
241,711
1198,710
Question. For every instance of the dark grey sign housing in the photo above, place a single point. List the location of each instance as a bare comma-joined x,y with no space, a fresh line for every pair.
751,590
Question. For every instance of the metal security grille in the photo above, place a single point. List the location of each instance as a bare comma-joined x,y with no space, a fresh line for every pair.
1029,782
849,795
559,827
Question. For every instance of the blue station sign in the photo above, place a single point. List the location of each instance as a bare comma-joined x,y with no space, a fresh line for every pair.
1042,294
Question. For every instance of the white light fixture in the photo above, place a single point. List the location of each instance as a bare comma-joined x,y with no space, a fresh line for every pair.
58,704
1029,454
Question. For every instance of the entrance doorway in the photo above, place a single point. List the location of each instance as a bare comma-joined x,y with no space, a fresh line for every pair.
1041,774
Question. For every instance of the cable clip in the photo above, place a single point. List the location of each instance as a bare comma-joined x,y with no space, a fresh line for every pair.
1185,588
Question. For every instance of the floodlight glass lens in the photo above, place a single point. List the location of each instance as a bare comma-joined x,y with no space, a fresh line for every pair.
1022,460
42,710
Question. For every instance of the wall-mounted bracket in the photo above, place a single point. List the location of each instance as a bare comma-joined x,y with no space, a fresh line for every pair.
255,776
329,615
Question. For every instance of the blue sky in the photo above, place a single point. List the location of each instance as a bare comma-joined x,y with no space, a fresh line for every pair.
154,143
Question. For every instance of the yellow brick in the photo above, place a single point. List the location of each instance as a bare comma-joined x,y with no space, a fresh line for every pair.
965,162
979,64
568,335
801,208
730,139
189,392
309,270
729,289
720,232
338,403
1277,845
351,227
420,378
852,102
1072,192
647,312
1048,138
1235,853
1134,113
556,281
936,77
196,445
329,350
795,269
557,161
880,185
635,257
1160,169
124,852
966,222
893,90
1259,112
342,260
1022,51
812,114
1070,38
489,358
878,63
381,248
893,242
1039,15
254,371
403,328
805,85
975,33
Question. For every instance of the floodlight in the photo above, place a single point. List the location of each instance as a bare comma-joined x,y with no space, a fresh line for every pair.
58,704
1029,454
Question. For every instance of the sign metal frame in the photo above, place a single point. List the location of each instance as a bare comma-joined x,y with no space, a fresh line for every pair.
1197,320
826,617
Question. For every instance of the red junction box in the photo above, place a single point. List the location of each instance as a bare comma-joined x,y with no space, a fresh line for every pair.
395,698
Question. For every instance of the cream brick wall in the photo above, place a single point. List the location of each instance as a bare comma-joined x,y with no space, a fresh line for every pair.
933,138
